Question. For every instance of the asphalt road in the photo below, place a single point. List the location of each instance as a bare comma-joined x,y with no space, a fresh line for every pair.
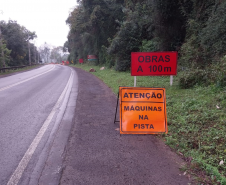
32,107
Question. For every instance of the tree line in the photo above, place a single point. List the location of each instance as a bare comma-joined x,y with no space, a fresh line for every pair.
112,29
15,45
16,48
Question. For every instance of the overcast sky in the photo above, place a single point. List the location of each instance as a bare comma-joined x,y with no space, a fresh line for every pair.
45,17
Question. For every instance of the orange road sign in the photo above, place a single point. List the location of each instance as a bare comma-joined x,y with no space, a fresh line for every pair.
142,110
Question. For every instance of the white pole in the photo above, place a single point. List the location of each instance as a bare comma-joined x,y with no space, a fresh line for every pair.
171,80
135,81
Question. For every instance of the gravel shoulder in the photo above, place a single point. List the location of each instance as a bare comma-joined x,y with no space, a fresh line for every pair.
96,154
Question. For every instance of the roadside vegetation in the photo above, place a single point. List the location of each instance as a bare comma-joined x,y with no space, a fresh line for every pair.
196,121
15,45
19,70
17,49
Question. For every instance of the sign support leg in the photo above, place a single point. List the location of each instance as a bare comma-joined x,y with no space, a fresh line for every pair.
135,81
171,80
116,109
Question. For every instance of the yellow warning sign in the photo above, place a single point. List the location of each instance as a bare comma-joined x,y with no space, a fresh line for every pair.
142,110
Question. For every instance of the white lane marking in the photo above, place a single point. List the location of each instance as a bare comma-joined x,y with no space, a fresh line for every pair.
27,156
9,86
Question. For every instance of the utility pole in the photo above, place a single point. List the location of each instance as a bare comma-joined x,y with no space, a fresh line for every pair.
38,57
29,49
1,46
34,54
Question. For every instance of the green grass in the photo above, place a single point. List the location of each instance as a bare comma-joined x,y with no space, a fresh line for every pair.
196,121
18,70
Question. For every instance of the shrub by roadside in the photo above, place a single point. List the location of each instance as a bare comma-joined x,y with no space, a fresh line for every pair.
212,74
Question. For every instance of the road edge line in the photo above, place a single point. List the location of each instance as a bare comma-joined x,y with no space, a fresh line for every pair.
16,176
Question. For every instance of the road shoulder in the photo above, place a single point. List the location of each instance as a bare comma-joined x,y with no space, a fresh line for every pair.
97,154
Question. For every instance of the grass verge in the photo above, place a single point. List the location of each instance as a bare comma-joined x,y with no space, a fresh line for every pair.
196,121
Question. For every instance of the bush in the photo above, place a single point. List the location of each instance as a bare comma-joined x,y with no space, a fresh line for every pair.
105,58
222,81
123,65
212,74
218,70
195,77
150,45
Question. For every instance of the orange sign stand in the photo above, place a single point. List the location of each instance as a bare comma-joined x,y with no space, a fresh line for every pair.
142,110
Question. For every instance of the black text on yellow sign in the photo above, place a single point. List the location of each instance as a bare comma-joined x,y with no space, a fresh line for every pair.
142,110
